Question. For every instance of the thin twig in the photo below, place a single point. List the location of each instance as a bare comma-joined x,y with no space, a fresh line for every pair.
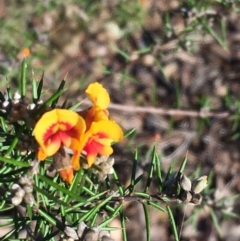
136,198
203,113
172,112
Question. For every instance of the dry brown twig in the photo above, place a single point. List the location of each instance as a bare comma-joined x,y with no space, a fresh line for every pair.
203,113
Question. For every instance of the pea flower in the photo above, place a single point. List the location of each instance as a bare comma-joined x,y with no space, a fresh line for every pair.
98,139
89,132
57,128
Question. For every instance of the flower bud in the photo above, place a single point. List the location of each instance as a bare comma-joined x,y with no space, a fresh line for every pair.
81,228
23,152
16,201
17,96
5,104
91,234
186,196
185,183
196,199
34,167
20,193
29,199
31,106
15,186
106,238
40,102
25,180
71,233
28,189
199,184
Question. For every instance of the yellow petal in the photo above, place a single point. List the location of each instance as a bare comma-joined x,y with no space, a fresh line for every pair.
67,119
98,95
95,114
110,128
45,127
106,151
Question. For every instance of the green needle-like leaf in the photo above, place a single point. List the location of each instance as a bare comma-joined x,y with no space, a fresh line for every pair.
134,169
48,217
129,133
12,146
23,78
120,188
123,224
113,215
216,222
34,89
174,227
147,221
150,172
182,167
136,181
60,88
14,162
50,237
49,101
158,171
61,189
39,88
74,185
50,196
156,206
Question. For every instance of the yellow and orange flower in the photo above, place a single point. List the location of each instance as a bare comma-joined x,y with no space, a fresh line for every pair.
89,131
59,127
99,138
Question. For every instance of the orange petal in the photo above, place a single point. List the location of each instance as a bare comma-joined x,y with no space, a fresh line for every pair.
62,163
91,159
98,95
75,160
67,174
41,155
24,53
